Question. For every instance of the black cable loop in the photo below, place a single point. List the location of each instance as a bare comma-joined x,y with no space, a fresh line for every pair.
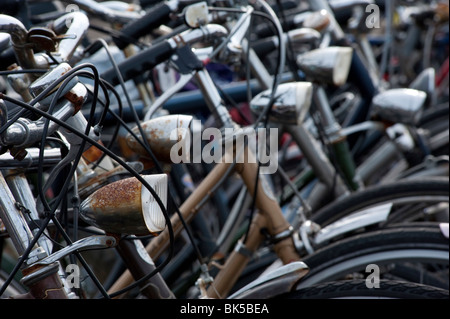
43,94
61,196
86,138
266,112
264,116
120,162
109,87
149,150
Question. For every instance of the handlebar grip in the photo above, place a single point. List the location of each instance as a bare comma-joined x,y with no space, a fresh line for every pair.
155,17
267,30
142,61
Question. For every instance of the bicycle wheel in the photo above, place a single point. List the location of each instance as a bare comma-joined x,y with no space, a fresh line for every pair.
411,200
358,289
412,252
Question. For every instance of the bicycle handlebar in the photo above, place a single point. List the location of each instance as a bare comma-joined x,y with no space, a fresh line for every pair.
18,33
76,24
154,18
296,36
24,132
160,52
106,13
78,27
139,63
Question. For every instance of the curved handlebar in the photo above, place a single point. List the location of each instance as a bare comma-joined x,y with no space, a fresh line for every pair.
154,18
18,32
73,24
78,25
106,13
158,53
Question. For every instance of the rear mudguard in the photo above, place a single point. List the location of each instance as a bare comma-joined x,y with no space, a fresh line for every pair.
279,281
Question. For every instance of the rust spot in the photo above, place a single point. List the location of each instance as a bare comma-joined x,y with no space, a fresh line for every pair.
92,153
119,194
97,181
75,99
12,67
31,269
18,153
158,140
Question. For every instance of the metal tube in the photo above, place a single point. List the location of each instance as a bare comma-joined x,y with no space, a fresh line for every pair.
384,155
78,24
327,116
315,156
21,191
345,161
24,132
138,261
212,98
51,157
13,219
18,32
107,13
207,33
237,260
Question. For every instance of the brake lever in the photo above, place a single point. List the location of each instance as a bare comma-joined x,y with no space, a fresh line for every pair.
92,242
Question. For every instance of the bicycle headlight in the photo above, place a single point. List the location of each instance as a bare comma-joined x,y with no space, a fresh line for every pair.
162,133
127,206
328,65
292,102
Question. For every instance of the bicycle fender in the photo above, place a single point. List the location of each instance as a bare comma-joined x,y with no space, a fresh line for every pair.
279,281
354,221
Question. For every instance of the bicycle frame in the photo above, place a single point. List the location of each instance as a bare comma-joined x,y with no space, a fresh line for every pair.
44,281
268,216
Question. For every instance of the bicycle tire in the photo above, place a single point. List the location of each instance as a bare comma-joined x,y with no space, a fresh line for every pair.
430,190
385,248
433,189
358,289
